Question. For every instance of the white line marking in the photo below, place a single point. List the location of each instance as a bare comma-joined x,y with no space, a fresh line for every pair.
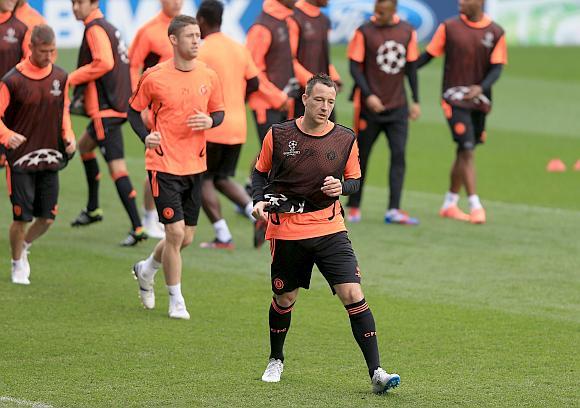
25,403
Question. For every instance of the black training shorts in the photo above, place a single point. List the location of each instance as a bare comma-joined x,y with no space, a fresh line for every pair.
293,260
176,197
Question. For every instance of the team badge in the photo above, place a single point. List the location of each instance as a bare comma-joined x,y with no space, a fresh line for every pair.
55,91
391,57
168,213
203,90
278,283
10,36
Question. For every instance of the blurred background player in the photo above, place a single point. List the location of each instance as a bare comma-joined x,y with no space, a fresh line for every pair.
150,47
382,52
298,194
29,16
269,43
179,91
15,36
309,29
238,76
36,130
475,52
103,77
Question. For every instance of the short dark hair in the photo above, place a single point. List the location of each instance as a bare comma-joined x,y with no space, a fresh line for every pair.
42,34
211,11
179,22
323,79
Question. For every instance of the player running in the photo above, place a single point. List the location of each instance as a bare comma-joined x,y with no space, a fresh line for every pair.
186,99
239,77
36,130
103,85
296,184
150,47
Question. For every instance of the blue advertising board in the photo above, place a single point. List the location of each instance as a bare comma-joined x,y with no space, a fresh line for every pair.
346,16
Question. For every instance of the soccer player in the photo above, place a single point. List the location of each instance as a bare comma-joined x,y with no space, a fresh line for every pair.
296,184
382,53
13,46
269,44
150,47
239,76
13,33
36,130
186,99
103,77
309,28
475,52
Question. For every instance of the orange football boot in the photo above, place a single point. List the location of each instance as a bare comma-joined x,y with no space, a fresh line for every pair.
477,216
454,212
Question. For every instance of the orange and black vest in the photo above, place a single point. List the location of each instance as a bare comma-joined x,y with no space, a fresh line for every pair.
313,51
279,57
468,53
113,88
300,163
12,33
385,60
36,111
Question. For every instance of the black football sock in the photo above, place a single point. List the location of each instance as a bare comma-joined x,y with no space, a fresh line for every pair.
364,332
93,176
279,325
127,196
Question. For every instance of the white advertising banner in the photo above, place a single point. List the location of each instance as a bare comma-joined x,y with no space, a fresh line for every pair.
538,22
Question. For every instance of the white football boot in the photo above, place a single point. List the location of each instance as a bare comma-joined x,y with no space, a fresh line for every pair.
20,272
178,310
146,292
273,371
383,381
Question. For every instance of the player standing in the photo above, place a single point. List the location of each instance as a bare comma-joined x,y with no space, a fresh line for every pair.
382,53
239,76
150,47
186,99
309,29
269,43
103,78
36,130
475,52
296,185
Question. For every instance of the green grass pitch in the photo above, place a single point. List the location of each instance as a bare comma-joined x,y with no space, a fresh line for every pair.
469,316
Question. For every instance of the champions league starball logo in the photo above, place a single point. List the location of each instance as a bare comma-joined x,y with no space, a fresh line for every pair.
10,36
292,146
37,157
391,57
55,91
